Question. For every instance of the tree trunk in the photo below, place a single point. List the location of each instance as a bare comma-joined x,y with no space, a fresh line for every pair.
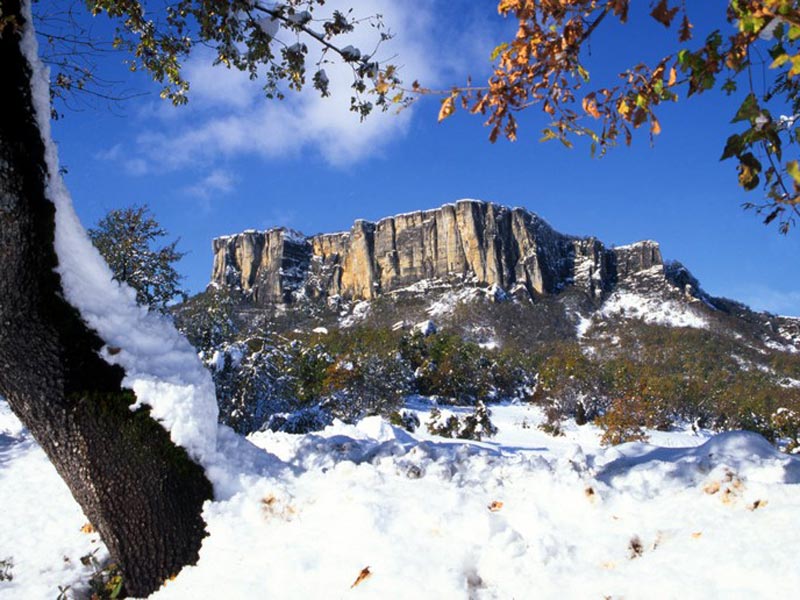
142,493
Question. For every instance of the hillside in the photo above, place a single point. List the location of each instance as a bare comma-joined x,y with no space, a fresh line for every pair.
477,302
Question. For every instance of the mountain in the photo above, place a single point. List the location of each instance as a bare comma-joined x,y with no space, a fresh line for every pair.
474,302
474,246
469,241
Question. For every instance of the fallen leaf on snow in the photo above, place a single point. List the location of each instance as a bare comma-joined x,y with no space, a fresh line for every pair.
365,574
495,506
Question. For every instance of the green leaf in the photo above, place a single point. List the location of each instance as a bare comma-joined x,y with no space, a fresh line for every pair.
547,135
748,110
781,59
498,50
733,147
793,169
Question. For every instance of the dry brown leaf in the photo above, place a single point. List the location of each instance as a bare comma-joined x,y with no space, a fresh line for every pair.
495,506
87,528
663,13
697,534
365,574
712,488
757,504
590,493
447,109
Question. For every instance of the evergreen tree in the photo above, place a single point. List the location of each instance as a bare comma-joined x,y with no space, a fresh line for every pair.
128,239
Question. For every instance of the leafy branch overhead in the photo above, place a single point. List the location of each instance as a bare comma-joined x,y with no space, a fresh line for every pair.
278,43
270,41
543,65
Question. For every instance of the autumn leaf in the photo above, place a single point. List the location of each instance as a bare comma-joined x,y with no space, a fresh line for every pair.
655,126
447,109
87,528
663,13
793,169
590,106
365,574
685,32
620,8
495,506
673,76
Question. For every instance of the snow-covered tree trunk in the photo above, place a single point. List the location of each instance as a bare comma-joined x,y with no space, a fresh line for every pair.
143,493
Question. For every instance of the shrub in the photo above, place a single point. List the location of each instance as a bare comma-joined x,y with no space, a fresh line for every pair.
6,566
786,424
405,419
474,426
304,420
623,422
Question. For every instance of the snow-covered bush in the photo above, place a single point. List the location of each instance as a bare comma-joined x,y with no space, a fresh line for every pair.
405,419
304,420
360,385
786,423
473,426
569,384
6,569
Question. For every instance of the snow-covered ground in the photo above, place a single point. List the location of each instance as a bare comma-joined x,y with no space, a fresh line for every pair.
523,515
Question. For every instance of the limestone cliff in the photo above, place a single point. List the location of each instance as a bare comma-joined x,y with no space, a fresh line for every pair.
469,241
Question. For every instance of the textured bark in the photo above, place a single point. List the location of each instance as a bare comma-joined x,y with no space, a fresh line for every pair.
142,493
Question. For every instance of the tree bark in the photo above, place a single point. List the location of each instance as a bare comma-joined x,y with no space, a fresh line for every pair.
143,494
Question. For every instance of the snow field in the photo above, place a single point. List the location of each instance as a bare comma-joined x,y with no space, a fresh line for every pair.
523,515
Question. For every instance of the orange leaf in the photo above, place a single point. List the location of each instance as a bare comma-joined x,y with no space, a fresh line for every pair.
365,574
655,126
590,106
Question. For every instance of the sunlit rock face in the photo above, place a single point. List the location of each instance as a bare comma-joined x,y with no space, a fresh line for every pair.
471,241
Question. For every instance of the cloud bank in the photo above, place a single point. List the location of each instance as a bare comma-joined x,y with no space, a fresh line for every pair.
228,116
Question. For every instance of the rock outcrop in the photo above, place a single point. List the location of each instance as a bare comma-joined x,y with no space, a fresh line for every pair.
468,241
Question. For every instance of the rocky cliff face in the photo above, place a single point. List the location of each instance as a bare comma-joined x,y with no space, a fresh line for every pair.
468,241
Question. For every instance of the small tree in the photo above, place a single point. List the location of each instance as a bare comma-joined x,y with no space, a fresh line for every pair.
128,240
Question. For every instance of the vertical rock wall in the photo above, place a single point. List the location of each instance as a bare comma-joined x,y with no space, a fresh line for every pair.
470,240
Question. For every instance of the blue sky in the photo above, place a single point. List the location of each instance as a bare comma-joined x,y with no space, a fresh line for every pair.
232,160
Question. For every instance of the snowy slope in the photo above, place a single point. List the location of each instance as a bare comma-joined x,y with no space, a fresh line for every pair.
524,515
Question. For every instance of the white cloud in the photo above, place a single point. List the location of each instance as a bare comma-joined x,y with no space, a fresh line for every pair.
228,116
113,153
136,166
216,183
